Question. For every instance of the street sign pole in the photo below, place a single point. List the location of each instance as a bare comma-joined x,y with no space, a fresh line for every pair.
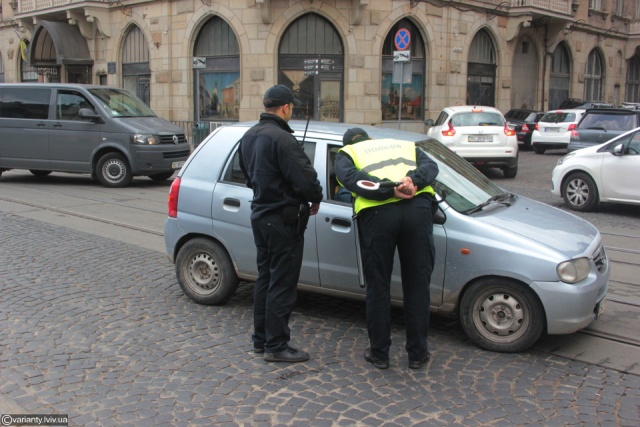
402,41
400,96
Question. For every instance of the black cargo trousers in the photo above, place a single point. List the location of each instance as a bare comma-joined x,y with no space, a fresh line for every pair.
408,226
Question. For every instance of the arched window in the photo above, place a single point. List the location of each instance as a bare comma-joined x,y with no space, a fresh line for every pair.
560,78
593,76
481,71
136,74
311,63
633,80
410,93
216,72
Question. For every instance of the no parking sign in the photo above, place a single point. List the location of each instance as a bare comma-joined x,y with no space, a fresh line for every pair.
402,39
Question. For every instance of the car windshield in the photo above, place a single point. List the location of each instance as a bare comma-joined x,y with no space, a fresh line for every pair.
120,103
559,117
459,183
608,121
477,119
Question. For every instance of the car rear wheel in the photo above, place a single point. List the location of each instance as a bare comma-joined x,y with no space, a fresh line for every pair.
205,272
113,170
502,315
538,149
510,172
580,192
39,173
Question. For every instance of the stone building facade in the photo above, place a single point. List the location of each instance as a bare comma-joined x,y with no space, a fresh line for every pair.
359,61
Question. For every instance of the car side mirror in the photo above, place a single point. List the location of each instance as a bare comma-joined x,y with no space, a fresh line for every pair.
89,114
428,122
618,150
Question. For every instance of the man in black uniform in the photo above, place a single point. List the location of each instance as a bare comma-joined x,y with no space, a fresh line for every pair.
286,191
389,218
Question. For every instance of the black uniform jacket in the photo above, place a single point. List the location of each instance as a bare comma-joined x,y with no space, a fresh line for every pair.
276,168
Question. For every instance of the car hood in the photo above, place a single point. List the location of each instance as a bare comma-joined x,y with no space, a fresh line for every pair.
549,226
153,125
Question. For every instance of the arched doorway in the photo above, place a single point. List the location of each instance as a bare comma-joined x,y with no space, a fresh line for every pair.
524,77
136,73
560,78
216,72
481,71
593,76
632,90
413,91
311,63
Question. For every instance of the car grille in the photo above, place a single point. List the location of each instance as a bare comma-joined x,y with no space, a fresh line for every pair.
600,259
176,154
168,139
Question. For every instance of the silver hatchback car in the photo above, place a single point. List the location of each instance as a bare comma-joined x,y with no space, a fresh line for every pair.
507,275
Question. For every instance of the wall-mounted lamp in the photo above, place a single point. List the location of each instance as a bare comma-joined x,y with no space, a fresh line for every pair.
13,4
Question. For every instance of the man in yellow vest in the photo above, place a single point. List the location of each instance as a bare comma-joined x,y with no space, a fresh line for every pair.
388,218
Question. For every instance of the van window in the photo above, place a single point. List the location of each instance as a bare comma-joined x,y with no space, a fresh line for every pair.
69,103
25,103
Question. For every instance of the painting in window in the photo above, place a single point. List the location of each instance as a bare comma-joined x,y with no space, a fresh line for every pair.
411,102
219,96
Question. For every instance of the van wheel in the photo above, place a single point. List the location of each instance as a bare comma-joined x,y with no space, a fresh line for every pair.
113,170
205,272
580,192
501,315
163,176
39,173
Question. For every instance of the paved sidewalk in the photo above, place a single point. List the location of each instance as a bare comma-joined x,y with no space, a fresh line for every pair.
99,329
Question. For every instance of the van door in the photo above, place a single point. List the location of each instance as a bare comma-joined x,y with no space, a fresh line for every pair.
72,141
24,114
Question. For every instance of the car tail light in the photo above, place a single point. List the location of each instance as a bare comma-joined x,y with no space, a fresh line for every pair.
173,198
525,128
508,131
536,127
575,134
572,126
449,132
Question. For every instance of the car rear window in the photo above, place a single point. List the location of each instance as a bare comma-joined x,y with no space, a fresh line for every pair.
477,119
608,121
557,117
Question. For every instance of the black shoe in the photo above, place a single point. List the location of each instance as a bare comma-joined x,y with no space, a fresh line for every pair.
417,364
258,350
380,364
290,355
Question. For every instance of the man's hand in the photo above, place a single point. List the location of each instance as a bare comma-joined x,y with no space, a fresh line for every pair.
406,190
313,209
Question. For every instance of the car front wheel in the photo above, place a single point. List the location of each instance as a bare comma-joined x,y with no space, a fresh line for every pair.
205,272
501,315
113,170
580,192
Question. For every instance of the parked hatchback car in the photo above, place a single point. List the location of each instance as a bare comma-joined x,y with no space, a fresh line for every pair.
523,122
508,267
600,125
604,173
554,129
478,134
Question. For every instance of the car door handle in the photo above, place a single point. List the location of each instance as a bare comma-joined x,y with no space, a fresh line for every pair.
57,125
341,222
232,202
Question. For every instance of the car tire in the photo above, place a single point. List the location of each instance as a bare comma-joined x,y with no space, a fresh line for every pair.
205,272
39,172
538,149
162,176
502,315
510,172
113,170
580,192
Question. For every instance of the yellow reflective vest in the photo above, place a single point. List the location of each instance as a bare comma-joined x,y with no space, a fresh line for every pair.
383,158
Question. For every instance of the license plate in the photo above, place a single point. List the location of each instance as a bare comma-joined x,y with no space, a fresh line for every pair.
177,165
552,130
599,309
480,138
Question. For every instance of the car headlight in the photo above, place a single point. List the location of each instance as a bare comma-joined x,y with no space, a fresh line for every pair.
145,139
566,157
574,270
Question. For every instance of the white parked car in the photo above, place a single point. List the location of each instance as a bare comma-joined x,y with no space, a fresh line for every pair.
607,172
480,135
554,129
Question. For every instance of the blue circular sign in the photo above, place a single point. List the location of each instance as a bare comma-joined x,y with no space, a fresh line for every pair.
402,39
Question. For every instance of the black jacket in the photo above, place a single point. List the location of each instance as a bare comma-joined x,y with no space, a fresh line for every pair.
276,168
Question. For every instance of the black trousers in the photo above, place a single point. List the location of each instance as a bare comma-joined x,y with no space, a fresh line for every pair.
279,262
408,226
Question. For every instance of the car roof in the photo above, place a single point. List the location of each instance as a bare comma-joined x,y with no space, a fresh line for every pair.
469,108
569,110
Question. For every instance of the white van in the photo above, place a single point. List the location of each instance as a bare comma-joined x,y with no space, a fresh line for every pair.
100,130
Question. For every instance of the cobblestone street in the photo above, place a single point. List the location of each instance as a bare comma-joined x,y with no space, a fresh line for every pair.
100,330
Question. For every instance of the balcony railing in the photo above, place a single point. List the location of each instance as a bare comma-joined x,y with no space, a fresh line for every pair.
560,6
26,6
